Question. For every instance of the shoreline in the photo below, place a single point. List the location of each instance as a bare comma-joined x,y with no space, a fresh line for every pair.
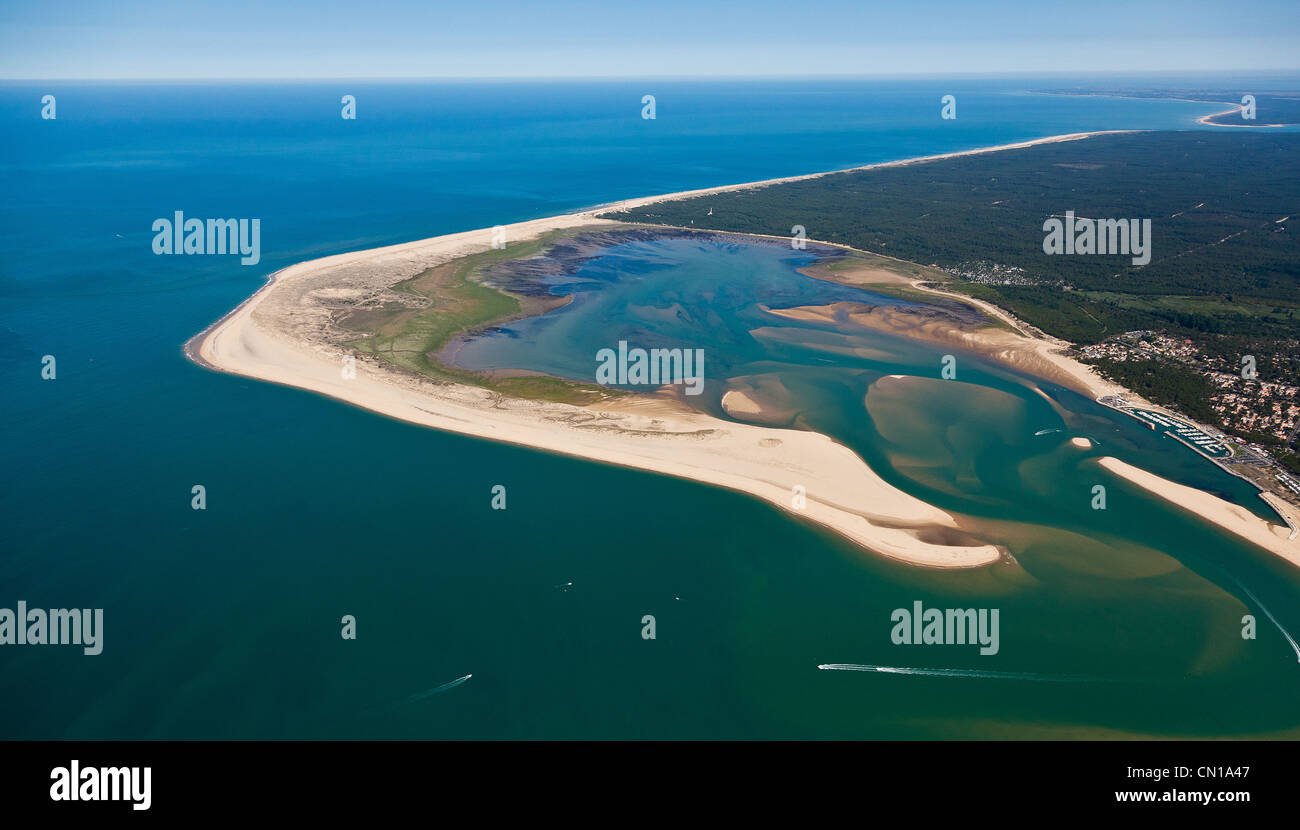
1204,120
1022,352
1207,120
641,201
192,348
1231,517
267,337
623,204
275,335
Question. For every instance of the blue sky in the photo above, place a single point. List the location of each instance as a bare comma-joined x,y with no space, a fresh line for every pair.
565,38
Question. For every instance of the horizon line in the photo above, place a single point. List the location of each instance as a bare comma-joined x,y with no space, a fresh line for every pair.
975,74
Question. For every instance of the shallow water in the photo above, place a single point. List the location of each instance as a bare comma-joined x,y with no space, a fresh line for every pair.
986,446
225,622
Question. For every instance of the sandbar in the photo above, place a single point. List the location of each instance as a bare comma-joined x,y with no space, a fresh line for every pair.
285,334
1231,517
282,334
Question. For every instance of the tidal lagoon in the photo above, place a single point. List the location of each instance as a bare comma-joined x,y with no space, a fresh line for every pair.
225,622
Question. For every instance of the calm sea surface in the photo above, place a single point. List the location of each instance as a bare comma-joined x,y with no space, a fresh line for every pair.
225,622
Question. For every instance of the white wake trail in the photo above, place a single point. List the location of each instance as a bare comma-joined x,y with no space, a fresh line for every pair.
1276,624
451,684
974,673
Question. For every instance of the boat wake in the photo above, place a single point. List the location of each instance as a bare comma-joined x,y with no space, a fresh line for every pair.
972,673
418,696
449,685
1269,614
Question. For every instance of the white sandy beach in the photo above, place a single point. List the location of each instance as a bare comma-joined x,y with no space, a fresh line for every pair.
628,204
276,336
282,334
1233,518
1209,121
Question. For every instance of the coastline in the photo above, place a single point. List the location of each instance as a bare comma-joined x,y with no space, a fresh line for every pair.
275,335
1208,120
268,338
1231,517
192,348
1040,356
641,201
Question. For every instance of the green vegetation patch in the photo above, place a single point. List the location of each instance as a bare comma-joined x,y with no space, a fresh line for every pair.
459,304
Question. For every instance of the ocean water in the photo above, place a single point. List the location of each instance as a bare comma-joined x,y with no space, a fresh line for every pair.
224,623
988,446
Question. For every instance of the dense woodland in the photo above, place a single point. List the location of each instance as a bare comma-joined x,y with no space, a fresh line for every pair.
1228,267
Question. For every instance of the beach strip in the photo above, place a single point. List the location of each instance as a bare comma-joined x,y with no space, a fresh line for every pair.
269,337
1231,517
276,335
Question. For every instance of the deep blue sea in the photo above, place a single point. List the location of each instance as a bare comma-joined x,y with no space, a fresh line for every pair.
225,622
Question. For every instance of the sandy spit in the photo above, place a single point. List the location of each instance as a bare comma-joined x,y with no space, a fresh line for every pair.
1233,518
282,335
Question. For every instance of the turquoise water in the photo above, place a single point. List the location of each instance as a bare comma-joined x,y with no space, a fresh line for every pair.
225,622
986,445
715,295
669,293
